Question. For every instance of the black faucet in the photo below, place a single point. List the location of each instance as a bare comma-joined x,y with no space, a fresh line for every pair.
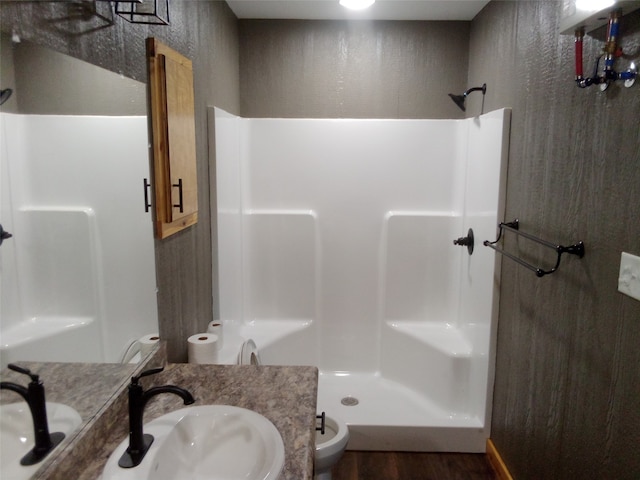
140,442
34,396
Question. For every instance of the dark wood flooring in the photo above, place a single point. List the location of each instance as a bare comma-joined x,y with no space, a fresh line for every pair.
413,466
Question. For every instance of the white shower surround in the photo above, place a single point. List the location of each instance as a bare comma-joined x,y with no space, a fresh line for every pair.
335,249
78,276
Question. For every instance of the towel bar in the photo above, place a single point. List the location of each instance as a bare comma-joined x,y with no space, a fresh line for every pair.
514,226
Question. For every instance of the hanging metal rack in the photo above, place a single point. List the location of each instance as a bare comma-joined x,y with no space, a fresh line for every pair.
514,226
149,12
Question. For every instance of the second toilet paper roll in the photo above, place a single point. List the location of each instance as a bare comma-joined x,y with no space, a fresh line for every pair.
215,327
147,342
202,348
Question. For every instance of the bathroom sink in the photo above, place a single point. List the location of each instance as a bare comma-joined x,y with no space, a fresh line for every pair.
212,442
16,434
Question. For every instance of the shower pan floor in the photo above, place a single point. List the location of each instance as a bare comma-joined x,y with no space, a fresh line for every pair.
389,416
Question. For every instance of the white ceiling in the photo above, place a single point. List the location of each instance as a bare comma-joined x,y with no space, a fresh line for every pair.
381,10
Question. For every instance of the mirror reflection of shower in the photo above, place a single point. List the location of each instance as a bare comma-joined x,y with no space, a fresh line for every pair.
460,99
73,287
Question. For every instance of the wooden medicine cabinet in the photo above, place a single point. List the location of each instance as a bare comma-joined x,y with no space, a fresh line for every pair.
173,139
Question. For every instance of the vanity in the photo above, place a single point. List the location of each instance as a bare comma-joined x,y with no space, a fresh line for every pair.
285,395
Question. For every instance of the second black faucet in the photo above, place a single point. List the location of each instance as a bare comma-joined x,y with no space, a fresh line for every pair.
139,442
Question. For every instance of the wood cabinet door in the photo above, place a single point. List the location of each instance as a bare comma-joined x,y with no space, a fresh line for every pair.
173,139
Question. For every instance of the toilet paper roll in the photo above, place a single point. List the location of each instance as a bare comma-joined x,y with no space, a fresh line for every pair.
147,342
202,348
215,327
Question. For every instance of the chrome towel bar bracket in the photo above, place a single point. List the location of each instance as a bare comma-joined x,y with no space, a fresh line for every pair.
514,227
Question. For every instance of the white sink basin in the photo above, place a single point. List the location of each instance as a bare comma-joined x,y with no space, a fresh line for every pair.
212,442
16,435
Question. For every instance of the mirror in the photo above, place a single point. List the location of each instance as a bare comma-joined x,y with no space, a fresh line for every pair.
77,277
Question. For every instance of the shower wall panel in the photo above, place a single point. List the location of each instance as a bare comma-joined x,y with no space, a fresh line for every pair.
420,267
280,265
58,280
351,173
485,187
226,129
52,291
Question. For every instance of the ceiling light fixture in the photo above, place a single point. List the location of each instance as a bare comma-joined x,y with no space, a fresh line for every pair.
357,4
593,5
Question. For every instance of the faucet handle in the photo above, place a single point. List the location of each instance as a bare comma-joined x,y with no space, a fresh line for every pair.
146,373
25,371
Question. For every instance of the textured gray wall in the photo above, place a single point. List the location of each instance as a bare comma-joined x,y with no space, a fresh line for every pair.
567,395
8,74
206,32
47,82
340,69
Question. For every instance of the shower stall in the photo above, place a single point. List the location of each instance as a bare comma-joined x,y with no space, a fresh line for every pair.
335,249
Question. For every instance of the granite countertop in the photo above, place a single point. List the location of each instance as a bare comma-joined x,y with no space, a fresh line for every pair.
286,395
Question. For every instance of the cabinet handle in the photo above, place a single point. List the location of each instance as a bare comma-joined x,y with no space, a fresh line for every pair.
147,203
179,185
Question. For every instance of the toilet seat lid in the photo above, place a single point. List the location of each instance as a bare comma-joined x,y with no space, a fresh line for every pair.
249,354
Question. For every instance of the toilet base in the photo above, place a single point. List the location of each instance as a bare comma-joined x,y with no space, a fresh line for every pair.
323,476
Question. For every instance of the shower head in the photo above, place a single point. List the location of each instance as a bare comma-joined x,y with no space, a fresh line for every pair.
5,94
459,99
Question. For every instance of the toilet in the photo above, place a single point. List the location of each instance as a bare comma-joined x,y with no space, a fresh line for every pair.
329,447
249,354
